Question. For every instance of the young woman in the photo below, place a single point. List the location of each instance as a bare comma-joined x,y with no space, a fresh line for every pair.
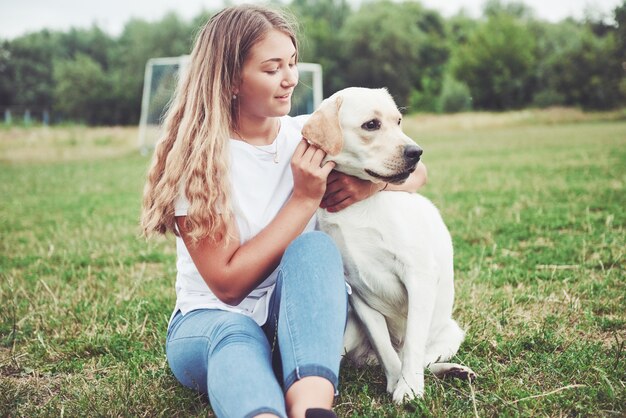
261,300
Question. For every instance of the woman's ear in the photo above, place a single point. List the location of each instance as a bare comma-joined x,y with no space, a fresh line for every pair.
236,84
323,128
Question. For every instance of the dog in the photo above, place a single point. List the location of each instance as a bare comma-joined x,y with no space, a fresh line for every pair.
396,249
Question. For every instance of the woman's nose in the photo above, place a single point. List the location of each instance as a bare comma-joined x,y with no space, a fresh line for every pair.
291,78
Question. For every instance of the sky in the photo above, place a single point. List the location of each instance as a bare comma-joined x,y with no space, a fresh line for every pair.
18,17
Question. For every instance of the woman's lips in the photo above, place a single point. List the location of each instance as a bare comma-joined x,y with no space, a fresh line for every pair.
284,97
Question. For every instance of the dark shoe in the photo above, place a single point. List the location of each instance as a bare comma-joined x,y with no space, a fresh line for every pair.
319,413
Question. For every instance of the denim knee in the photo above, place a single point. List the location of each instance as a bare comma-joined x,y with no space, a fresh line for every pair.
312,251
200,334
236,329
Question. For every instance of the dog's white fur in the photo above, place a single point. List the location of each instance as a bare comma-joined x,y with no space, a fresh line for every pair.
396,249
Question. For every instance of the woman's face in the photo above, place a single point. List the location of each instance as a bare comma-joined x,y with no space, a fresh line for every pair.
268,77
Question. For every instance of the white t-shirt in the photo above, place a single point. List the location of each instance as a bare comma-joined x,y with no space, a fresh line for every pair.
260,188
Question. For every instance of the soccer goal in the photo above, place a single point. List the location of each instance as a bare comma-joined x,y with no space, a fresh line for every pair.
162,74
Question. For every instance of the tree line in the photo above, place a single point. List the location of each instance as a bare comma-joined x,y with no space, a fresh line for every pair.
506,59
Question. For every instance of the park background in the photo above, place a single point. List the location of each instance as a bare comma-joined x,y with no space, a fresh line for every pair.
524,130
505,59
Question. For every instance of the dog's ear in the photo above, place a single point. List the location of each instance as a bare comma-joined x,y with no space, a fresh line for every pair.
323,128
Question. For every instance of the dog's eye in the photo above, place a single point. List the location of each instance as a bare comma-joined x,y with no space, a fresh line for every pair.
371,125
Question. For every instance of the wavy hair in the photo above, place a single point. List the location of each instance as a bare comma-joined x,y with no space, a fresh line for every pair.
192,155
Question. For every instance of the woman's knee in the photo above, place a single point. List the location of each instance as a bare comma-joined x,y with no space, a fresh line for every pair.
314,238
234,329
205,333
312,268
314,249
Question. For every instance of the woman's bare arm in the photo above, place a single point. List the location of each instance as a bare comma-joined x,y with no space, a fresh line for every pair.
232,271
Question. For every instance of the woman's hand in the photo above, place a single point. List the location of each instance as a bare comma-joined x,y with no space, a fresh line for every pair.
309,175
344,190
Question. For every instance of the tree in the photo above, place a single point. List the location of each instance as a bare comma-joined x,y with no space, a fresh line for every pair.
320,23
579,64
92,42
400,46
515,9
459,29
26,76
553,41
139,42
7,76
82,90
497,63
589,74
29,63
620,34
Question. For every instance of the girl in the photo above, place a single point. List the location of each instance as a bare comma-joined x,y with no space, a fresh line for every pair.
261,301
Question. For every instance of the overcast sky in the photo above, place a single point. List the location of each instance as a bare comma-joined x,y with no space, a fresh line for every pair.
21,16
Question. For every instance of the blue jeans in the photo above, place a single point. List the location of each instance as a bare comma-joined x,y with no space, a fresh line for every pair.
244,368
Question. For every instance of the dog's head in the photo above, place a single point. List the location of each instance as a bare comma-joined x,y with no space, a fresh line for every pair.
360,131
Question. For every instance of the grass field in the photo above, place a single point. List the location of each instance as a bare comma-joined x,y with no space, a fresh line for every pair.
536,205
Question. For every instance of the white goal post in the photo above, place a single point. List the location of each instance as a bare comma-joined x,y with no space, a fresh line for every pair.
162,74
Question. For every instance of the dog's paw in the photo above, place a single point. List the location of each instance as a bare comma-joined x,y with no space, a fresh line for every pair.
452,370
406,391
461,372
393,375
391,384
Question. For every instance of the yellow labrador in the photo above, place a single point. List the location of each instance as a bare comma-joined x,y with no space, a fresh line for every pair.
396,249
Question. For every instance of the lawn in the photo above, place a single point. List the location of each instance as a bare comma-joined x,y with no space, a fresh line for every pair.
535,202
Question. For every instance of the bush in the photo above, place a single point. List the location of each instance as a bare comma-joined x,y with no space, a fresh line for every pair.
455,97
548,98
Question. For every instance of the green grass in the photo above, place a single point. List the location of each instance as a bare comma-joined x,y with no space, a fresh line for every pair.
536,210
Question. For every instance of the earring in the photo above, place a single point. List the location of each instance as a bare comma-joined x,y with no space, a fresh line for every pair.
234,97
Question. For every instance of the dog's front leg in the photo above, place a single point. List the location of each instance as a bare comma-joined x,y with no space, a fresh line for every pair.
375,326
421,289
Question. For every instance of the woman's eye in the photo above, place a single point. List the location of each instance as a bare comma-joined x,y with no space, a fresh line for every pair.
371,125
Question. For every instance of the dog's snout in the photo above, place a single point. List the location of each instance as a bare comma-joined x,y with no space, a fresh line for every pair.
412,153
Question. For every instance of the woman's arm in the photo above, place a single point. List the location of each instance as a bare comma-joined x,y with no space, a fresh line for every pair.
232,271
344,190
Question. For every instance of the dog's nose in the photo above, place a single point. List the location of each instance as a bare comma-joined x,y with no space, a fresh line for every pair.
412,153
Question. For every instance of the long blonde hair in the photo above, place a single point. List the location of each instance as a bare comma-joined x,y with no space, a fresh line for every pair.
192,155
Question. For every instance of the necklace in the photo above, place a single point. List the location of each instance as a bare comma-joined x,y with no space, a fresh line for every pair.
274,153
